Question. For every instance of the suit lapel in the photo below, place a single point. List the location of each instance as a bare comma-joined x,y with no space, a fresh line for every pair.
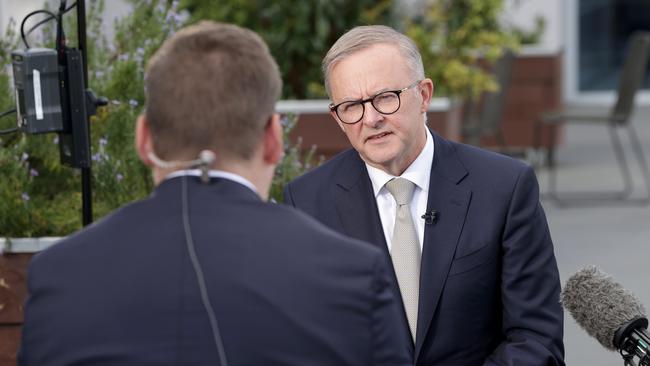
441,238
355,203
357,208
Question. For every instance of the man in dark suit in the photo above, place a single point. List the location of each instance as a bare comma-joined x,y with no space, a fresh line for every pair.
204,272
471,250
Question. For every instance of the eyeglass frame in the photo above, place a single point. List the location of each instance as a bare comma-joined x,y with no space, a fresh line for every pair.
362,102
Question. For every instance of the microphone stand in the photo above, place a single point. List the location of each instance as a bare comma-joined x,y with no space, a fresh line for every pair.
632,340
86,176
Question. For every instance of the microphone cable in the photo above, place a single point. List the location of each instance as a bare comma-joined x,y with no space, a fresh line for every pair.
9,130
199,275
205,160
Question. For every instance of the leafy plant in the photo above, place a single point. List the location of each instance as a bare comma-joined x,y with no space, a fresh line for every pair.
456,38
532,36
39,196
299,33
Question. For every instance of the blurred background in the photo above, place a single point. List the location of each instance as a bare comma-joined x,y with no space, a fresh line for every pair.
510,75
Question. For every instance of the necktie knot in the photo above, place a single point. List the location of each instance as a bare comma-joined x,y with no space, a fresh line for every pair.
401,189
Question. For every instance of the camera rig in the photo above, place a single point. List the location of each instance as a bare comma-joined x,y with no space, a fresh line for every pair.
52,95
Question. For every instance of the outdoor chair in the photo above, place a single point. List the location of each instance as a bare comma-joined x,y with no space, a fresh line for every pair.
483,119
631,78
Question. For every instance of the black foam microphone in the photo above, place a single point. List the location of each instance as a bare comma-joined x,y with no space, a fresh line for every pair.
609,313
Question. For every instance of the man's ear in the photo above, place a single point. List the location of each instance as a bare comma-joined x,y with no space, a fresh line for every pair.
273,141
143,143
426,92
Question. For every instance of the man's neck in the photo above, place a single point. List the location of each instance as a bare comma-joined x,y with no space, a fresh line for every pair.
260,177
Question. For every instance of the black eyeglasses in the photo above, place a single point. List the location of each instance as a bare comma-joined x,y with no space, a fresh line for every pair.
386,102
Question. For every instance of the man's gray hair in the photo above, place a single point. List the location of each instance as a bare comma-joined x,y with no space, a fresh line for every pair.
362,37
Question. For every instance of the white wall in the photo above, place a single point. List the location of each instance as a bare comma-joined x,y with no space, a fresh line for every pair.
17,9
522,13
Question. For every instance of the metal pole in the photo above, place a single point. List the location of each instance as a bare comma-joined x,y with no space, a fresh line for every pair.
86,176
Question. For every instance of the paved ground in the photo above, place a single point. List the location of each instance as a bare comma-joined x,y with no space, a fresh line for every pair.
614,237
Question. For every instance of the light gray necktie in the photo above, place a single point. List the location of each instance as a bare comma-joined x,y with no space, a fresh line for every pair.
405,249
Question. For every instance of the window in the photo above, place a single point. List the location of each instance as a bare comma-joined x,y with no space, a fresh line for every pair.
604,27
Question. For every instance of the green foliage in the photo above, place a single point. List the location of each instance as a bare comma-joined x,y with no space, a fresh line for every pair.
533,36
299,33
454,37
39,196
295,162
6,99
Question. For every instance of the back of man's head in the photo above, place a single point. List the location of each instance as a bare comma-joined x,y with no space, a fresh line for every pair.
211,86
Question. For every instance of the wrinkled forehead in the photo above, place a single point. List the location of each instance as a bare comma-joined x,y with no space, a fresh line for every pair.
369,71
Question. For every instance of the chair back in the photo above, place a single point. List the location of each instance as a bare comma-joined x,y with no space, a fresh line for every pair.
632,76
494,102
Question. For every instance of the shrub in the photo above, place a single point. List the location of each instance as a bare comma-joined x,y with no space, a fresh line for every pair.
41,197
455,37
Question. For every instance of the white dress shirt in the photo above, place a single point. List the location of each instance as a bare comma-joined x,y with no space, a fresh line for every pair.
419,173
213,173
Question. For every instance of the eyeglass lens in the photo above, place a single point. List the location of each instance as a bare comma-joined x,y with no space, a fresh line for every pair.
386,103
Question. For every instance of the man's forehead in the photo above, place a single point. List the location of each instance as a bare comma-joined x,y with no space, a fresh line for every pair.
368,72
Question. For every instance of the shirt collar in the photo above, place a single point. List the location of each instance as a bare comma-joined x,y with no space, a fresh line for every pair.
418,172
213,173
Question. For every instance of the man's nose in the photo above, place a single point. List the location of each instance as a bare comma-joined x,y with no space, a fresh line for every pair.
371,117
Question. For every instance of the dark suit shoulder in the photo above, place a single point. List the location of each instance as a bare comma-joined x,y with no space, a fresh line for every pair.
487,169
300,224
473,157
313,192
73,247
327,170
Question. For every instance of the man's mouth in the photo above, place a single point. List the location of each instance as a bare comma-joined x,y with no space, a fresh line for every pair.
378,136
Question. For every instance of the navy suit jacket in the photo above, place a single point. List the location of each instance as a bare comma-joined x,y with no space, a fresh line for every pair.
285,289
489,283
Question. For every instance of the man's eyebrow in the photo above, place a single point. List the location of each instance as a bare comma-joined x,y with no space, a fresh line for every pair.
350,99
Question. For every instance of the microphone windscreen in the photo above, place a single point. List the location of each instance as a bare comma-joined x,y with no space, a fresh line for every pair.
599,304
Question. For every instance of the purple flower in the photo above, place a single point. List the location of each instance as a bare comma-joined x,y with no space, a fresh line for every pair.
103,141
25,196
133,103
97,157
33,172
180,18
99,74
119,177
123,57
24,156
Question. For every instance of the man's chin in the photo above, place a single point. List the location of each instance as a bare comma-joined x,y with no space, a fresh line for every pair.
380,162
